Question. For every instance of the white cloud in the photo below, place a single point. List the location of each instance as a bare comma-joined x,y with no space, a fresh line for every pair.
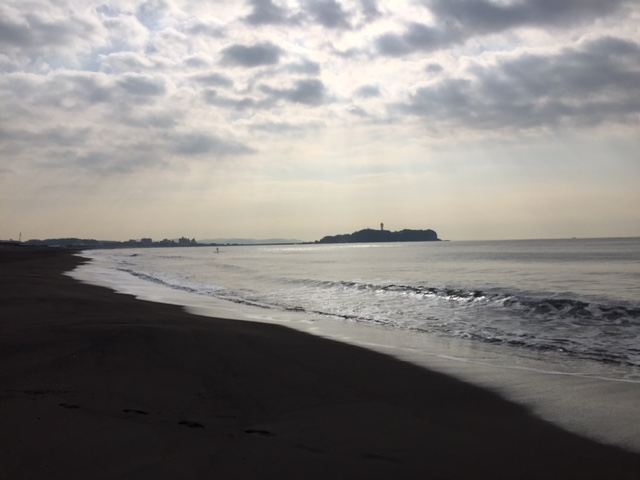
594,82
250,56
292,91
307,92
44,28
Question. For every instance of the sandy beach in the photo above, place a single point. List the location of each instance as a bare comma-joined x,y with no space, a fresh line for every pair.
100,385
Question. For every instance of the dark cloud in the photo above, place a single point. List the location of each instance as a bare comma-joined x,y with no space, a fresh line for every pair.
160,120
15,32
329,14
99,161
62,148
370,9
265,12
417,37
43,29
458,20
212,97
208,29
97,89
591,84
196,62
59,136
117,160
90,150
284,127
214,80
142,85
392,44
64,90
307,92
71,97
367,91
306,67
93,89
254,56
148,153
358,112
486,16
206,144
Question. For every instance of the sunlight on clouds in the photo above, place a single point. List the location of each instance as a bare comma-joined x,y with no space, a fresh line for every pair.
286,118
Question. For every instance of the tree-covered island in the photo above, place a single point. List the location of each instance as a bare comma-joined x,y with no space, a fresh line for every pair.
369,235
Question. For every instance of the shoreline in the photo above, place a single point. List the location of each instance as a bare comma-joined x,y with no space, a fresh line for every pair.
97,384
586,398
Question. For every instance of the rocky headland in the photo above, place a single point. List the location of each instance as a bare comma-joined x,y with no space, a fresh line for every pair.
370,235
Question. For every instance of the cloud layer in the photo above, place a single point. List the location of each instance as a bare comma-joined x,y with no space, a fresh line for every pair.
137,87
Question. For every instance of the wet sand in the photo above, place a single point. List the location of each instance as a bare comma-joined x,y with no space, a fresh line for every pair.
95,384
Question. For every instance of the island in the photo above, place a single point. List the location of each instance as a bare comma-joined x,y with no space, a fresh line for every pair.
369,235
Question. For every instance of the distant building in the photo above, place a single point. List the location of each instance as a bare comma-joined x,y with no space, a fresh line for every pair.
185,242
146,241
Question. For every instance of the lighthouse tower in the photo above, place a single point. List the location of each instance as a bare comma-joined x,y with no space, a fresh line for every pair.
381,227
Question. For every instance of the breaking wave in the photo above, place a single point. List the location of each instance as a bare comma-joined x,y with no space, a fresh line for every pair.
582,328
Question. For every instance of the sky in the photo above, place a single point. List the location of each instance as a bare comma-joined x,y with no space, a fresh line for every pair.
479,119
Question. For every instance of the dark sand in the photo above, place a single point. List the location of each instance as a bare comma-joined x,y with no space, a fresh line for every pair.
97,385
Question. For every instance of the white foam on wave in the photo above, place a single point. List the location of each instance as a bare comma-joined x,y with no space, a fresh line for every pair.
590,403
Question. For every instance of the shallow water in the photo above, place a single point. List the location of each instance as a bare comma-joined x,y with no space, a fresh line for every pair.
576,299
552,324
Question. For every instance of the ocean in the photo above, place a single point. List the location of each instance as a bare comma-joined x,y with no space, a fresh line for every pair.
552,323
575,299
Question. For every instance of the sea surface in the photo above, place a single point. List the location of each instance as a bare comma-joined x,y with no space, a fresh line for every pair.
561,306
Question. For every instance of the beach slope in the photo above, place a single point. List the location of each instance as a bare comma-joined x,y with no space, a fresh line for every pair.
100,385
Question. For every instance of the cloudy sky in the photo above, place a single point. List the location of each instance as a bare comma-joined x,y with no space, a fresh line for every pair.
480,119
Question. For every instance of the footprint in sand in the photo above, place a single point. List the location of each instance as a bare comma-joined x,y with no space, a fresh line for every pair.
262,433
189,424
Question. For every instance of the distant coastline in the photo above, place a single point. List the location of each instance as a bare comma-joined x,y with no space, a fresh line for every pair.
84,243
369,235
